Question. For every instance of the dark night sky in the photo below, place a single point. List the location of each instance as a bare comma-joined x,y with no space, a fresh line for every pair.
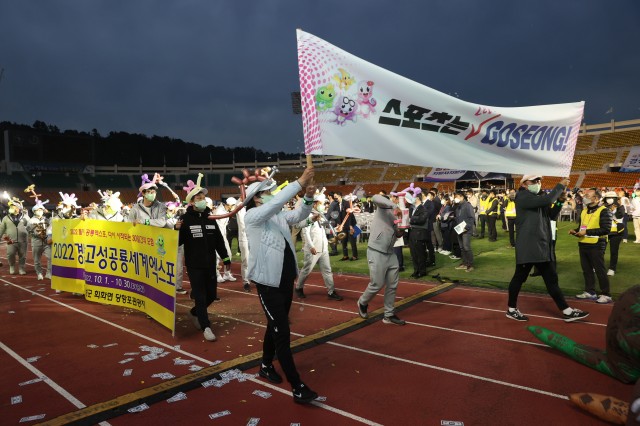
221,72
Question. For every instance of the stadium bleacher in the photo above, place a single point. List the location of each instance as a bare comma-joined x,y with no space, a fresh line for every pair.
619,139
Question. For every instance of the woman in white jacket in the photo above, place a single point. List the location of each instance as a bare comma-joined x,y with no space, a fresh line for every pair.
273,269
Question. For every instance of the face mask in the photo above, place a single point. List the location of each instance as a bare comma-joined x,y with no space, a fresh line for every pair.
170,215
201,205
150,196
609,201
456,200
586,201
38,213
320,208
535,188
13,210
266,198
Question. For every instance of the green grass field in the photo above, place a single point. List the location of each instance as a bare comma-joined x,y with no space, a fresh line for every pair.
495,262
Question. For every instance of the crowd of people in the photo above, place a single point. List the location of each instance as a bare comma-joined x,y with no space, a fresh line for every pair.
267,220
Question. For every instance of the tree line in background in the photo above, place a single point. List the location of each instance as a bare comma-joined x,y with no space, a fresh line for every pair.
47,143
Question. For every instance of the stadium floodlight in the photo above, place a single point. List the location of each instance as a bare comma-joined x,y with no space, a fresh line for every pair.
5,195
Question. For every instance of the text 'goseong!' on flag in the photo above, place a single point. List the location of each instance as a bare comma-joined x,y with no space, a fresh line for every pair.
353,108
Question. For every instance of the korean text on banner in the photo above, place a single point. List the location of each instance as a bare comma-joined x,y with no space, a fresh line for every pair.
632,162
353,108
117,264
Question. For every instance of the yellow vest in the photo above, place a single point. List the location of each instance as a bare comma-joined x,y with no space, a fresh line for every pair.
591,221
489,202
482,206
616,224
510,210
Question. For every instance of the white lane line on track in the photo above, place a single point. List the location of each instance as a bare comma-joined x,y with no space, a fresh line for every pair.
157,342
56,387
503,311
448,370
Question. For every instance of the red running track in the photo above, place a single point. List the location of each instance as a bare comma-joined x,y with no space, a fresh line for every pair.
458,359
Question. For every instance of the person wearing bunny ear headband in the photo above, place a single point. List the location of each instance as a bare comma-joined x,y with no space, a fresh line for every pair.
202,240
13,229
148,210
111,207
172,219
37,228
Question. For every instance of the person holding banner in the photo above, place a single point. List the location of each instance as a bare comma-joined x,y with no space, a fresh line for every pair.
37,228
149,211
273,269
534,246
202,240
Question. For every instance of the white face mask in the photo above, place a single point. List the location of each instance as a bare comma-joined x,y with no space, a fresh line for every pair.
609,201
456,200
320,208
535,188
13,210
38,213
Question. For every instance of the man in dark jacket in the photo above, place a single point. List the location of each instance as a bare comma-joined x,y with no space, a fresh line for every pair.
333,212
346,223
493,209
534,246
464,214
202,239
418,235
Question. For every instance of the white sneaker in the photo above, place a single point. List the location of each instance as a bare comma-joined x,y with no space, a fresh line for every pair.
23,272
48,276
585,295
12,270
58,291
604,299
445,252
611,272
220,278
228,277
624,241
40,277
208,335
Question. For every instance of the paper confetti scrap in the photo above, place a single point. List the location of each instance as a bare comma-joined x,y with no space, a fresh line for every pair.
126,360
26,300
92,346
177,397
164,376
29,382
32,418
12,312
195,368
179,361
321,398
16,399
127,372
33,358
253,421
262,394
219,414
149,357
294,424
109,345
138,408
131,353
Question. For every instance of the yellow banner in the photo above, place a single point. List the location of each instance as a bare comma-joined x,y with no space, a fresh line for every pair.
118,264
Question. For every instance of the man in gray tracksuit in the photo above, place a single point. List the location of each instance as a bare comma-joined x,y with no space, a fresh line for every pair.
383,263
13,228
37,228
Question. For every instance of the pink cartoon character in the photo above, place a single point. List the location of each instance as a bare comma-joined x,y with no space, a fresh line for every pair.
346,110
366,102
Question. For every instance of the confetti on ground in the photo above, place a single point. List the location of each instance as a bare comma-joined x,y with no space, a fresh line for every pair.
126,360
127,372
12,312
138,408
33,358
92,346
164,376
176,347
16,399
149,357
177,397
109,345
179,361
29,382
253,421
219,414
195,368
32,418
131,353
294,424
262,394
26,300
321,398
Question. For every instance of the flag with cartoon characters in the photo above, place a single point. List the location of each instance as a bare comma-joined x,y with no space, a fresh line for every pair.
353,108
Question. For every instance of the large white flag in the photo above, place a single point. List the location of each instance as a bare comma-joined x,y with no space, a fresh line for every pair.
353,108
632,162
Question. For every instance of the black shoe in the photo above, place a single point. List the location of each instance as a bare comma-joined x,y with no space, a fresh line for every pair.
393,319
362,310
575,315
344,258
516,315
414,275
335,296
354,258
303,395
300,293
270,374
247,287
